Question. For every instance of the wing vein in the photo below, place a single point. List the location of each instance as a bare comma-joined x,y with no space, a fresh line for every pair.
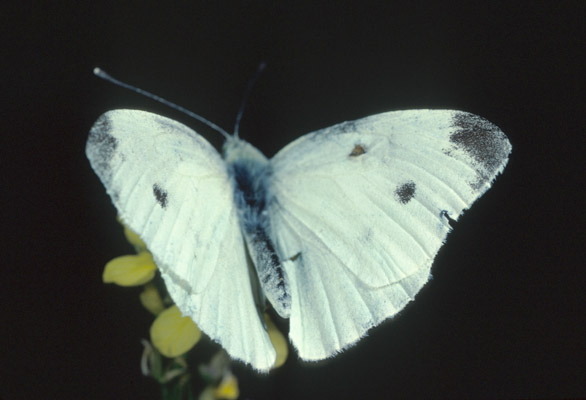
429,173
309,231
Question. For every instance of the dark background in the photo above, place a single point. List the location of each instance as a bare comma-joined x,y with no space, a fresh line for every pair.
504,315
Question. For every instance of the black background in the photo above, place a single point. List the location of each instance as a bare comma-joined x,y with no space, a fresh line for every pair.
504,315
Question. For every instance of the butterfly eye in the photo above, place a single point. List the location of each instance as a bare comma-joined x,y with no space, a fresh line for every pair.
358,150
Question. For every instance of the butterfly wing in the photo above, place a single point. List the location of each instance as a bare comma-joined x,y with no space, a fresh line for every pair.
359,211
172,188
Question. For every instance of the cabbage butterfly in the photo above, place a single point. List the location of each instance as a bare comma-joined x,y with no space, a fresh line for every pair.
338,231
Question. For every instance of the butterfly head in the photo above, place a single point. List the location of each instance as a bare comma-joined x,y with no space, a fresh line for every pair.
236,149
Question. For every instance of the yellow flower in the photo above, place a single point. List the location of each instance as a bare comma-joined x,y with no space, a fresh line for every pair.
131,236
151,300
132,270
279,342
173,334
134,239
228,388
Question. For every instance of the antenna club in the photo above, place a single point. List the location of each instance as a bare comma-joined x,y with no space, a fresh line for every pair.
100,72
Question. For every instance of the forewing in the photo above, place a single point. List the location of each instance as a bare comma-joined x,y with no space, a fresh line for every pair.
359,211
171,187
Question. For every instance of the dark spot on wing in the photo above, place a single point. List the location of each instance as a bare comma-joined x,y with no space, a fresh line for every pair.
295,257
451,221
485,143
101,147
405,192
160,195
358,150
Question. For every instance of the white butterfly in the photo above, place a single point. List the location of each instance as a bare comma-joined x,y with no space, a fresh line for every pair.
338,230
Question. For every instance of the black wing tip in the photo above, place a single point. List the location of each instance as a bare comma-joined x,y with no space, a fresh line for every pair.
100,136
485,142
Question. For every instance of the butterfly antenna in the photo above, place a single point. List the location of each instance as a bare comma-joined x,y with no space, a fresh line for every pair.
251,83
100,73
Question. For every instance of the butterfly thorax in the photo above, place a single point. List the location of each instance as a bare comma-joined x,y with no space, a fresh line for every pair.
249,169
